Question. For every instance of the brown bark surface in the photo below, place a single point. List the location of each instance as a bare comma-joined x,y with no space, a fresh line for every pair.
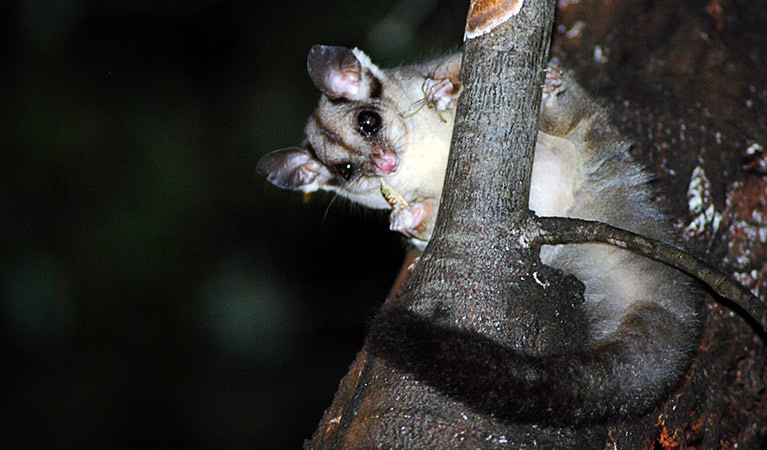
689,83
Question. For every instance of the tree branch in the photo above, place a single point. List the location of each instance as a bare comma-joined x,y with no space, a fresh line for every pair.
561,230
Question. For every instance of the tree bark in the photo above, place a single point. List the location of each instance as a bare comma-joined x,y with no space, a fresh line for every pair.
688,83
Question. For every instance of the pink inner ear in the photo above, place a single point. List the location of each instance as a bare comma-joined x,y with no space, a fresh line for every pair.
346,83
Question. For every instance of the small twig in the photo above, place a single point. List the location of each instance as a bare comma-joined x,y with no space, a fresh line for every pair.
561,230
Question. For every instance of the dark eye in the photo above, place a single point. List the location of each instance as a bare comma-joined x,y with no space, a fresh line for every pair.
345,170
369,122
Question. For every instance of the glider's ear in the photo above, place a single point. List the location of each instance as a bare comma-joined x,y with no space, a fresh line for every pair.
339,73
293,168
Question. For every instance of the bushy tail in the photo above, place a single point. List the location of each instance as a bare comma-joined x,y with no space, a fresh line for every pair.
624,376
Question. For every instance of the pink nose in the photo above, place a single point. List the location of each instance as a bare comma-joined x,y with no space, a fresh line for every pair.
387,163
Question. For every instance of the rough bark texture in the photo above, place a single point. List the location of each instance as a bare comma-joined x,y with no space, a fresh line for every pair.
476,245
689,83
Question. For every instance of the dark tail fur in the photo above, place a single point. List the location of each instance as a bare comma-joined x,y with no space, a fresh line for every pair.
624,376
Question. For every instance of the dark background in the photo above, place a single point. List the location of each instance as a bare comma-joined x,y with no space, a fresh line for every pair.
154,292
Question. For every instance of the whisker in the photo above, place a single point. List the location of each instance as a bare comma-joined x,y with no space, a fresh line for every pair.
414,108
327,208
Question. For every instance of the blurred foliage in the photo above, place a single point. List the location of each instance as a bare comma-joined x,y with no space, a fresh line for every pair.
153,292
